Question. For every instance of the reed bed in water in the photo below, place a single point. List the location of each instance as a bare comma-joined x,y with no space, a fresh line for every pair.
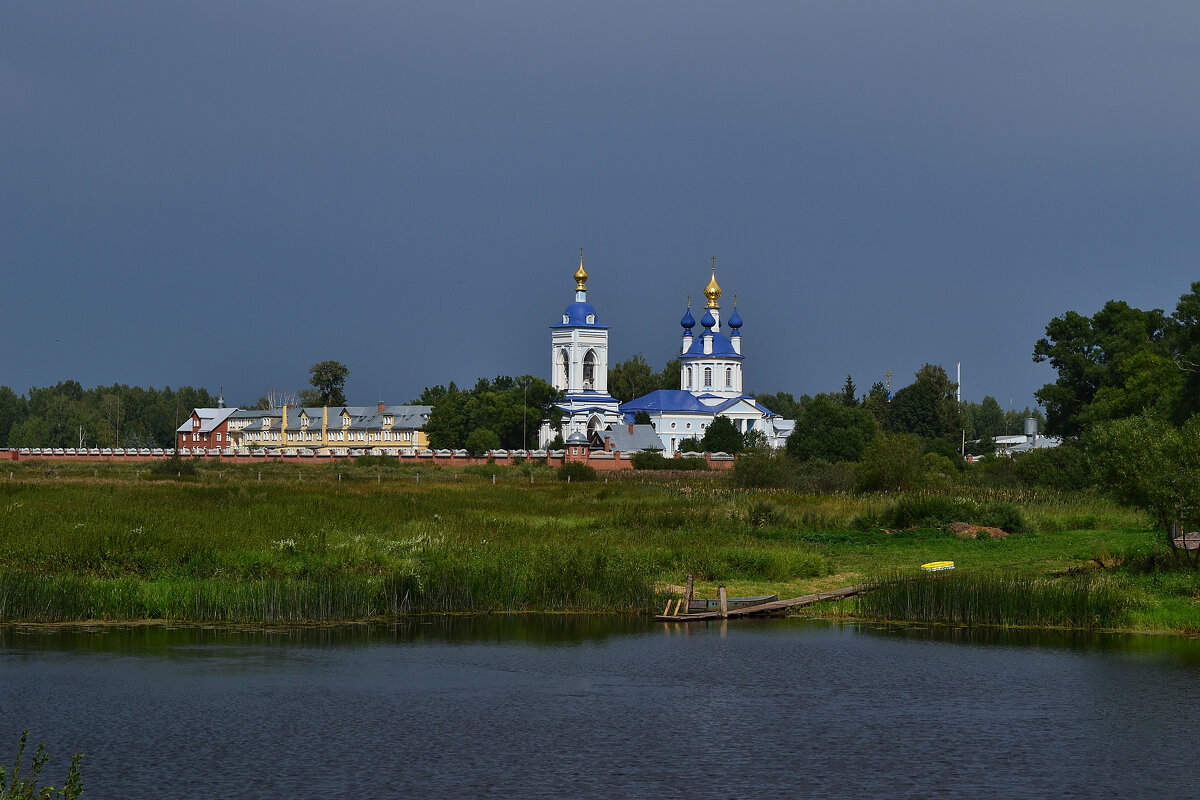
964,598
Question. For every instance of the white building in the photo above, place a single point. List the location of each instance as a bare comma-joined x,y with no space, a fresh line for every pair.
710,373
579,366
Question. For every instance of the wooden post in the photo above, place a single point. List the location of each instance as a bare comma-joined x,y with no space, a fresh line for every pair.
724,602
687,595
667,610
678,606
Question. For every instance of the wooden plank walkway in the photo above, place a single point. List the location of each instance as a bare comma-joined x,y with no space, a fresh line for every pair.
768,608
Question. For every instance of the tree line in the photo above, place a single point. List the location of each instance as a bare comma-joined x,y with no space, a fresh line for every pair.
67,415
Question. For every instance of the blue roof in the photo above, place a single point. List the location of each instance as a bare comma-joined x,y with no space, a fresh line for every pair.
577,314
688,320
721,347
735,321
665,400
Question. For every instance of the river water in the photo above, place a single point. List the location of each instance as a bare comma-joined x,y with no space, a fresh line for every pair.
602,707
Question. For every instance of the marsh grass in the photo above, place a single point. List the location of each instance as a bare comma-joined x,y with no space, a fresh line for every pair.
997,600
299,541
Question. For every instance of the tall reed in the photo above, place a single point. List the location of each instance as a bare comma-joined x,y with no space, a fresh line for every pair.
966,598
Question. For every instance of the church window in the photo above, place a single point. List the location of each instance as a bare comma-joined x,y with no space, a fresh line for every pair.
564,368
566,319
689,377
728,377
708,377
589,369
591,319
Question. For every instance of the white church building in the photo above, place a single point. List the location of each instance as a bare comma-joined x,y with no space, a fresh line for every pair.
710,375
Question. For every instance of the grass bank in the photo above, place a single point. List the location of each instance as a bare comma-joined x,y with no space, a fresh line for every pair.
305,542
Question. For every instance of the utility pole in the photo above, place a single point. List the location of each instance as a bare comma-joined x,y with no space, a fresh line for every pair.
525,404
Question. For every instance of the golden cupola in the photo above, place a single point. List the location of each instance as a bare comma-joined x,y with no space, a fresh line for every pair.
713,290
581,275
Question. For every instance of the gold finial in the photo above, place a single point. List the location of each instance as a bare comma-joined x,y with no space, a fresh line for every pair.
713,290
735,299
581,275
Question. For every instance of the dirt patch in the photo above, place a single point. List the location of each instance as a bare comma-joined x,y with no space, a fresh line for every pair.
965,530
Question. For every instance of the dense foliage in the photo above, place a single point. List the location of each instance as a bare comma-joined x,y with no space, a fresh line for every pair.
1120,362
831,431
67,415
510,408
633,378
328,381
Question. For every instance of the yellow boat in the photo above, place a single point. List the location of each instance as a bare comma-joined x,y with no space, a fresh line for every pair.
937,566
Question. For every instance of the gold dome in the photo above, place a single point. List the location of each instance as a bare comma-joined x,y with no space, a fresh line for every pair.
581,275
713,290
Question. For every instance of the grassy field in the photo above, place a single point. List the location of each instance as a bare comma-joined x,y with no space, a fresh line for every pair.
291,542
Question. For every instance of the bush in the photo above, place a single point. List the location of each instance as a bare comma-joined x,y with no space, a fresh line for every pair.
376,461
763,469
891,462
482,439
575,471
691,445
16,786
173,466
1064,468
937,511
652,461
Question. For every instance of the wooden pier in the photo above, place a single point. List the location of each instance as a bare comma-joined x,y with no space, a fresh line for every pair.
763,609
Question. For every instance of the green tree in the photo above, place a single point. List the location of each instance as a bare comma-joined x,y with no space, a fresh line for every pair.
875,403
1184,342
1147,462
328,379
989,419
830,431
632,378
1089,353
481,440
669,377
722,436
512,408
892,462
12,411
849,393
642,418
928,407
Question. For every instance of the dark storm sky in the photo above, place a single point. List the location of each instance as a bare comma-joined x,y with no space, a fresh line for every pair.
221,194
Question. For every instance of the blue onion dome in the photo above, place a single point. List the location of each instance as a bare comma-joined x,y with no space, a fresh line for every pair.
688,321
709,320
735,321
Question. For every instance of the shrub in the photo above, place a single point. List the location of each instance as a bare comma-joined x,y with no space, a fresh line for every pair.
14,786
763,469
891,462
173,466
482,439
575,471
936,511
652,461
1064,468
376,461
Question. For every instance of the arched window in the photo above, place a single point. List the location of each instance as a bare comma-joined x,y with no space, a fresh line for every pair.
564,368
589,370
593,425
708,377
689,378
